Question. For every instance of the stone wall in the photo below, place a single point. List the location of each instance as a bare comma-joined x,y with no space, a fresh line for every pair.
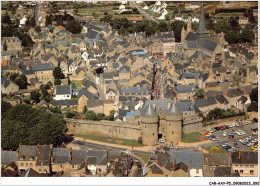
104,128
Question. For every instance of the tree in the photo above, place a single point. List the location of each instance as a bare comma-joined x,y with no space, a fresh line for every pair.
253,107
13,76
163,27
5,107
6,18
105,13
90,115
100,116
247,36
135,11
254,95
70,115
37,29
74,27
31,126
57,82
99,70
21,81
199,93
57,73
35,96
140,140
111,115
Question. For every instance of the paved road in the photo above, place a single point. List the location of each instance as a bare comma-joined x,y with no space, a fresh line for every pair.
142,12
93,146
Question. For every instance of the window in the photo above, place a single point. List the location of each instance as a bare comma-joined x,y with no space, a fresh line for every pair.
251,165
169,124
31,164
172,132
246,165
241,165
251,171
26,164
60,166
197,171
236,170
153,134
45,170
241,171
40,170
236,165
21,164
73,166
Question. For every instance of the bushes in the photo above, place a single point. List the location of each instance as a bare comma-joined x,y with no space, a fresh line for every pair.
140,140
218,113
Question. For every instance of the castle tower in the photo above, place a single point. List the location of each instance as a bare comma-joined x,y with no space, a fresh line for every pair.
149,122
189,26
202,31
173,124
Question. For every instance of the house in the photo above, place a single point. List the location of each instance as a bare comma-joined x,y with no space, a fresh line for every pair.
193,5
63,92
23,21
245,163
43,72
243,20
7,157
83,97
68,103
27,157
43,159
134,19
31,172
11,43
7,86
9,170
60,160
214,161
242,103
184,92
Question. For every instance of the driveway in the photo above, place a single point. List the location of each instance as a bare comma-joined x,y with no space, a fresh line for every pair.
142,12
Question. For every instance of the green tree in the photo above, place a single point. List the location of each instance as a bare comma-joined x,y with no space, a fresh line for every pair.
90,115
247,36
105,13
57,82
21,81
140,140
163,27
111,115
254,95
253,107
199,93
35,96
6,18
31,126
70,115
74,27
100,116
5,107
13,76
57,73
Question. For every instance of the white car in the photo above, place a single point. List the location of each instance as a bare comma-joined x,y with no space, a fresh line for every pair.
174,147
161,140
233,124
224,133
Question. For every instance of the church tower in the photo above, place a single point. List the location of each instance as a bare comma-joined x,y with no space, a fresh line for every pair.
202,31
183,35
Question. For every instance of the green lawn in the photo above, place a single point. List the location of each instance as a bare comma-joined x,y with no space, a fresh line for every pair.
77,83
192,137
144,157
118,141
216,149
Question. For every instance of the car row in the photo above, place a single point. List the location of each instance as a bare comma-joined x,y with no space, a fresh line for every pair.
249,141
225,145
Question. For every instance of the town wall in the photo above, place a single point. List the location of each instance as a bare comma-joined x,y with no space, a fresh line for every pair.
104,128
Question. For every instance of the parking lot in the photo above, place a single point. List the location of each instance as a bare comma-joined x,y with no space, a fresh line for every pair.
231,140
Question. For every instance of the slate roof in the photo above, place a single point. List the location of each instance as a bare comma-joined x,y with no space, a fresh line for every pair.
33,173
221,99
69,102
190,158
63,89
194,75
88,94
242,99
133,90
185,88
42,67
208,45
224,172
202,28
43,155
78,157
215,159
163,158
192,43
173,110
27,151
8,156
148,111
246,157
61,155
185,106
156,169
5,81
234,92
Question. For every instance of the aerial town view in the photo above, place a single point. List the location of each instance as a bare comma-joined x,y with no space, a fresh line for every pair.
129,89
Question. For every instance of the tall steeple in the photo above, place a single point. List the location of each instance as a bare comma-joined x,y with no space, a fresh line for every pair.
189,25
202,28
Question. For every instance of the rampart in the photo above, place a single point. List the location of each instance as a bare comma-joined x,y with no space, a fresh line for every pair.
104,128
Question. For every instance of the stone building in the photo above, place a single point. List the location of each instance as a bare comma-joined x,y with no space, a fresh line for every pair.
165,120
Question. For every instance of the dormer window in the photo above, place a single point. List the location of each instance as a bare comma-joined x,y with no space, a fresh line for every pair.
31,157
22,157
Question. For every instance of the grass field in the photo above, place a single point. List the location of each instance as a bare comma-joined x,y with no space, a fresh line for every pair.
216,149
118,141
193,137
77,83
144,157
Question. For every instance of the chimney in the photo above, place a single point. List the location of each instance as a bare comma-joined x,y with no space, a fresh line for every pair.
174,164
154,107
155,161
17,152
205,97
38,147
239,155
87,149
225,93
214,95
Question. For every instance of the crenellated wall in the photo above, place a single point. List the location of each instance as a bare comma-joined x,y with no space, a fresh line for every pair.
104,128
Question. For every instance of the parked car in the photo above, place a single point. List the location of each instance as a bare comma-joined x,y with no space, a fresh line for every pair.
174,147
236,145
224,133
161,140
232,149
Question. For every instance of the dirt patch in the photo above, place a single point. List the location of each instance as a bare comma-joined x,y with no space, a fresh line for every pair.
202,138
118,141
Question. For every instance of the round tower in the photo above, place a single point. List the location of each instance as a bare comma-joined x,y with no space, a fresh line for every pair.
149,122
173,124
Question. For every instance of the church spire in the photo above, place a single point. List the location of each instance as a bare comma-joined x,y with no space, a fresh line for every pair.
201,28
189,25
